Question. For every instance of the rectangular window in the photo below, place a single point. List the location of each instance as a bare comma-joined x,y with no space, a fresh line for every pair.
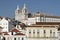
33,31
4,38
44,33
18,38
14,38
53,34
29,31
50,33
44,19
40,18
22,38
38,33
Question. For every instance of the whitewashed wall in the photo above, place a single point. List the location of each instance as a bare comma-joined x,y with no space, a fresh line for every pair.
31,21
59,35
4,24
41,33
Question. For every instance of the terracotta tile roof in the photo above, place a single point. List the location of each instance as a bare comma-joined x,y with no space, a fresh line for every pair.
44,24
0,33
14,30
59,28
48,23
53,16
41,26
22,25
5,33
0,27
1,17
19,34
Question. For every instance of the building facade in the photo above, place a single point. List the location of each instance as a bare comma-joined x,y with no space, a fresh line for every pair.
42,32
4,24
13,34
45,33
37,26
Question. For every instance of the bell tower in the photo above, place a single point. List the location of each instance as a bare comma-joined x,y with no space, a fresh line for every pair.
21,15
25,12
17,13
